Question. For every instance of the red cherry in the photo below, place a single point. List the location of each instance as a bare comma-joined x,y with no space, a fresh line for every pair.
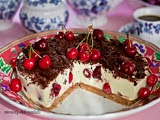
41,45
15,85
69,35
35,56
84,46
59,35
87,73
97,73
45,62
106,88
70,77
84,56
98,34
29,63
152,80
13,62
55,89
143,93
130,50
96,55
72,53
128,67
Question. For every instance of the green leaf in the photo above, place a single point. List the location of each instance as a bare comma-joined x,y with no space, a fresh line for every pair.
121,39
108,36
157,56
5,68
2,63
157,85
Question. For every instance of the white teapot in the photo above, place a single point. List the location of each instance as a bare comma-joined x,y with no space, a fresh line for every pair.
43,15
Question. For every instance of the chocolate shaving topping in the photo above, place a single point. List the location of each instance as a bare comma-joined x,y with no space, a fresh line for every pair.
112,56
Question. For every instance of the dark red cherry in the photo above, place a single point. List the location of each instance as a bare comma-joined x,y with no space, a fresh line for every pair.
35,55
70,77
55,89
84,46
106,88
96,55
15,85
128,67
59,35
69,35
98,34
72,53
143,93
87,73
45,62
130,50
29,63
152,80
97,73
41,45
84,56
13,62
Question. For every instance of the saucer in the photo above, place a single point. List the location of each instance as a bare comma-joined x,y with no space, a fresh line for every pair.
130,28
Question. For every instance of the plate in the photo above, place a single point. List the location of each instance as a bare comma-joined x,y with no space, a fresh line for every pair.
74,106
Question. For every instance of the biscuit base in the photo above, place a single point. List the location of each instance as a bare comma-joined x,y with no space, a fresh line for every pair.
116,98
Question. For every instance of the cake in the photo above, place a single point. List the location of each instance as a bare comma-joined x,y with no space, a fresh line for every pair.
51,69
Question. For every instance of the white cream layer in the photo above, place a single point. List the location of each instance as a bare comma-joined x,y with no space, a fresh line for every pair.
118,86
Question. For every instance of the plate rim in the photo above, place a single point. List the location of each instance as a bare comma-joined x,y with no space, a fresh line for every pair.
71,117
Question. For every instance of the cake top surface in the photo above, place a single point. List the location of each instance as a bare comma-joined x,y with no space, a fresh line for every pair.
112,57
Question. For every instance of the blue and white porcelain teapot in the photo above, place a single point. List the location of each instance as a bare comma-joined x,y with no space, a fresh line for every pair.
43,15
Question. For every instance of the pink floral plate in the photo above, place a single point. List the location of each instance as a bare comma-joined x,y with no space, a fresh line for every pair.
11,50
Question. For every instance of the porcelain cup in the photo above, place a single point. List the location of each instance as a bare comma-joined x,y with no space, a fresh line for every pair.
147,29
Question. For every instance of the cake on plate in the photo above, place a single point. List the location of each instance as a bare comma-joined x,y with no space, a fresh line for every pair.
51,69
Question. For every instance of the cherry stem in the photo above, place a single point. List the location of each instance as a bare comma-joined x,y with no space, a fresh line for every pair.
92,41
63,27
150,71
90,30
128,39
80,43
31,49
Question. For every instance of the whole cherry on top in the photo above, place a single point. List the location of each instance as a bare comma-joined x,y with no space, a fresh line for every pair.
130,49
65,34
87,52
44,62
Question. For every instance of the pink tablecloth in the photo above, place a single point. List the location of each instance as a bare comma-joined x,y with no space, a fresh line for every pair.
119,16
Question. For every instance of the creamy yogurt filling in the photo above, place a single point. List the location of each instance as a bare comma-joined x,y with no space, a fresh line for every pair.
118,85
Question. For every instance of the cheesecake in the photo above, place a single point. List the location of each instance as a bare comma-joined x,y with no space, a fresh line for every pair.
87,61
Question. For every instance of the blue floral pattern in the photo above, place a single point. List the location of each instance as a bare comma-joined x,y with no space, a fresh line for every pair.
88,7
40,24
148,28
42,3
8,8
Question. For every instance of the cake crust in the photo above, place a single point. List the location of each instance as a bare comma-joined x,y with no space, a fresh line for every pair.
113,97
